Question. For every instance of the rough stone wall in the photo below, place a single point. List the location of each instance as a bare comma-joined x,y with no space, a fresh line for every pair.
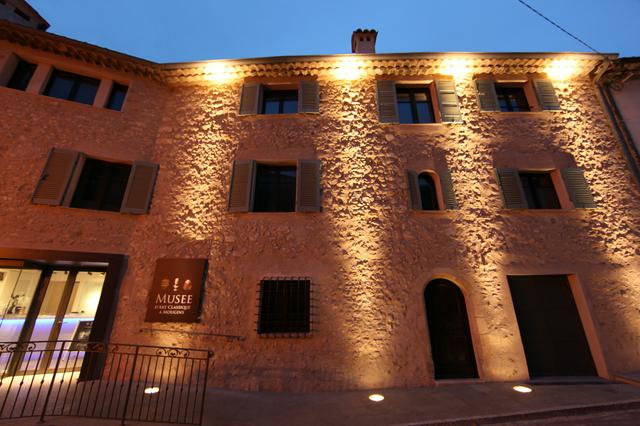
369,257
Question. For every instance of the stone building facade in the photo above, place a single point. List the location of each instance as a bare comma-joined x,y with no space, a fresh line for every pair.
361,234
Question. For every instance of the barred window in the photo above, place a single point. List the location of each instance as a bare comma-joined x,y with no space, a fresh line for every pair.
284,306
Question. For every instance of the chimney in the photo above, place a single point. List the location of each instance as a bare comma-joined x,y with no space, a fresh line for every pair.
363,41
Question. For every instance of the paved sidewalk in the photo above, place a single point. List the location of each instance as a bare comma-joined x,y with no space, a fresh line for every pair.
454,403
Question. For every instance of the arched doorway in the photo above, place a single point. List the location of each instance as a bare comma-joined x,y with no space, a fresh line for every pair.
451,345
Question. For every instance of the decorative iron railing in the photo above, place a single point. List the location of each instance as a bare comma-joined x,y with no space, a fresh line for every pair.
103,380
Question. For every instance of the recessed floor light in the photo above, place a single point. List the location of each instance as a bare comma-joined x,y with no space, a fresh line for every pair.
376,397
522,389
151,390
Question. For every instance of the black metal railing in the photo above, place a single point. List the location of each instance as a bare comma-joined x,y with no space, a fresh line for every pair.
103,380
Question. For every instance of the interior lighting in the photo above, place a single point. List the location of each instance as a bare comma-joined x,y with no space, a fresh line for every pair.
349,69
218,72
522,389
151,390
562,69
376,397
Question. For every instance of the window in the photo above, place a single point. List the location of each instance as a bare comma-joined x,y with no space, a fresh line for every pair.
414,104
285,306
72,87
428,193
539,190
116,98
279,101
512,98
101,185
275,188
22,75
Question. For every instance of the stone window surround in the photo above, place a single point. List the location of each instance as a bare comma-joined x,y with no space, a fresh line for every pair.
439,195
44,67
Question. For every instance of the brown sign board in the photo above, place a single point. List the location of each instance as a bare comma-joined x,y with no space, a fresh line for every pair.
176,291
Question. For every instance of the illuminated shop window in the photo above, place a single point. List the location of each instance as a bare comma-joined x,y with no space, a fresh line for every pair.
285,306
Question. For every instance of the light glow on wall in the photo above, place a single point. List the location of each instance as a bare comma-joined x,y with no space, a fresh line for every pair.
219,73
456,67
522,389
349,69
376,397
562,69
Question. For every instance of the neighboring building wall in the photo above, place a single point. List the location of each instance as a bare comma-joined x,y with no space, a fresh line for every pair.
8,13
628,102
368,255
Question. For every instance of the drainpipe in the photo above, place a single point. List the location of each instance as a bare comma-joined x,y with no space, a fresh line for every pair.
631,154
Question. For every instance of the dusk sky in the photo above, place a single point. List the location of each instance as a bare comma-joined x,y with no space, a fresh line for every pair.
190,30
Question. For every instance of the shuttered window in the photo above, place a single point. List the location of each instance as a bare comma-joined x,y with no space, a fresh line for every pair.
272,99
578,188
72,179
528,190
259,187
512,97
285,306
423,191
428,193
413,103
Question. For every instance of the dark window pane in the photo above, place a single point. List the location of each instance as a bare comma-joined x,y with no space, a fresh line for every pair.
22,75
405,113
414,105
425,112
101,185
116,99
271,106
284,306
290,106
72,87
275,189
428,192
279,101
539,191
512,98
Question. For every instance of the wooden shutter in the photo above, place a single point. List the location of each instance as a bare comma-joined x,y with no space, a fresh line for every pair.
415,201
73,182
448,101
387,101
55,177
251,99
308,186
487,97
578,188
546,95
142,180
448,193
512,193
308,96
242,182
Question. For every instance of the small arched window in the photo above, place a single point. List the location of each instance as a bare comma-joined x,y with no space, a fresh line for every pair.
428,193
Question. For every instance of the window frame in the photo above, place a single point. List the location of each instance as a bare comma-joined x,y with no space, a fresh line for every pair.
526,81
306,332
115,85
435,178
78,79
20,61
412,89
282,90
534,193
254,185
512,86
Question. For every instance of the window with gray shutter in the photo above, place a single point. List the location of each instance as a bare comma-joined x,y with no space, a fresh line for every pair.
242,181
387,102
578,188
250,101
308,96
308,186
55,177
487,98
415,202
448,192
137,196
448,101
512,192
546,95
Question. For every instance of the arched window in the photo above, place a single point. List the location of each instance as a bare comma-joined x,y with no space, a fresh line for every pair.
451,345
428,193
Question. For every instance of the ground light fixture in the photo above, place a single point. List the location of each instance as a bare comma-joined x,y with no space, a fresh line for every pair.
151,390
522,389
376,397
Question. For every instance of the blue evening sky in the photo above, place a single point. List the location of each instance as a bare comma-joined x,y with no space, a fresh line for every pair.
190,30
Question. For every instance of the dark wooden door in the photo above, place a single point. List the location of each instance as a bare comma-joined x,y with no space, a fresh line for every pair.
550,327
451,346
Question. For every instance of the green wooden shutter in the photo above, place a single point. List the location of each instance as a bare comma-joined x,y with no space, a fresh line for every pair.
448,101
578,188
242,183
308,186
251,99
512,193
387,101
308,96
448,192
55,177
415,201
487,98
546,95
142,181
